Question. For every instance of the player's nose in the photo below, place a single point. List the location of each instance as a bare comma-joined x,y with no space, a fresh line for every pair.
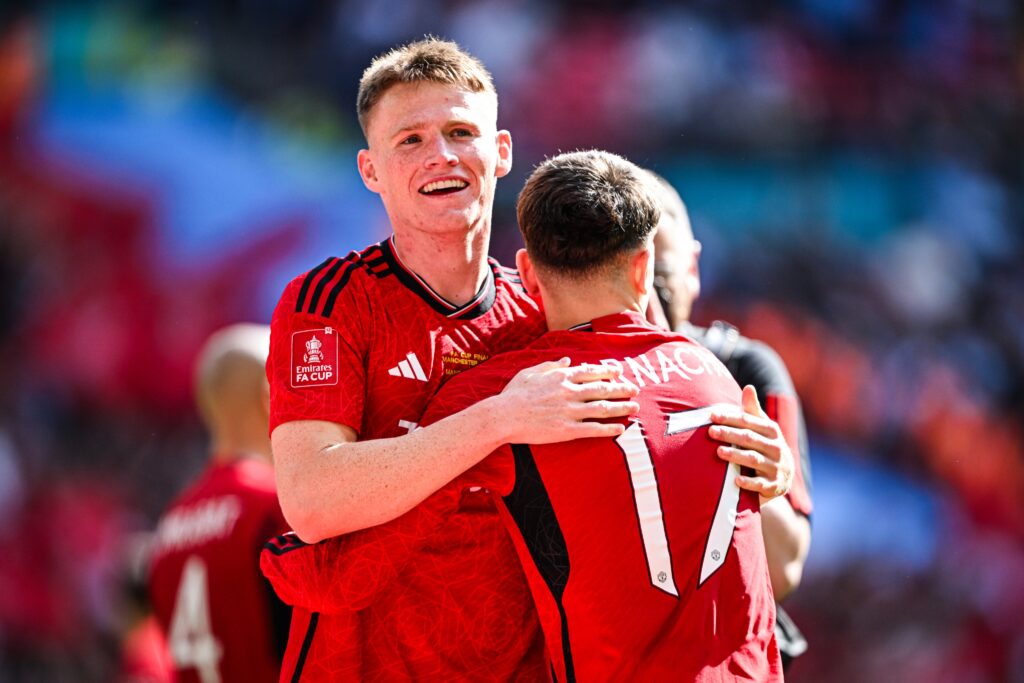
440,153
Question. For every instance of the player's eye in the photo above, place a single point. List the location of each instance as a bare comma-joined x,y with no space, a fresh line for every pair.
462,133
410,140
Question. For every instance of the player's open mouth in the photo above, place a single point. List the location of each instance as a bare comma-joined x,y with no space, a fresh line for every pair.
447,186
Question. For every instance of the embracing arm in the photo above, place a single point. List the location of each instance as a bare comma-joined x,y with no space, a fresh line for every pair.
331,484
756,441
787,538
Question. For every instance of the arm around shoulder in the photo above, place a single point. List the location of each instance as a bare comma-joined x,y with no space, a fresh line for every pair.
787,539
330,484
299,448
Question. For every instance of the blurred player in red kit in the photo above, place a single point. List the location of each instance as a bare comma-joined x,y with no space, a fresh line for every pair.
644,556
786,521
358,346
221,618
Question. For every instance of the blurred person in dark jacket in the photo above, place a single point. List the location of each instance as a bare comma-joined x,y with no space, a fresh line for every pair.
786,519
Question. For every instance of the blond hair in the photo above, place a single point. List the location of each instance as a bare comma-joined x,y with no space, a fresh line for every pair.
431,60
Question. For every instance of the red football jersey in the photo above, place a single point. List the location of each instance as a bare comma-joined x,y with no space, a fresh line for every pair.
645,560
205,583
363,341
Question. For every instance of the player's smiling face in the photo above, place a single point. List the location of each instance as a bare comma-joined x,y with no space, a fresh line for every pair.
434,156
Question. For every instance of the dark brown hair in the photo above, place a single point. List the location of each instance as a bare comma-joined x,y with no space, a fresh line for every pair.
579,211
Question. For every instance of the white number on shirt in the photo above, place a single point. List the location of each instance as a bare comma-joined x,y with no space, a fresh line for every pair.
191,641
649,509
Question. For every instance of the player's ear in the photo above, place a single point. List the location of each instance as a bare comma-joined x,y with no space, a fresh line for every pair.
504,154
641,270
367,171
527,274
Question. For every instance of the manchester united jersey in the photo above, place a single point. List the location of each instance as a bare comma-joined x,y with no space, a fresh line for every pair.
645,560
207,592
363,341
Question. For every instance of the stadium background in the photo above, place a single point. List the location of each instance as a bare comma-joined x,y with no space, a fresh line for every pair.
853,168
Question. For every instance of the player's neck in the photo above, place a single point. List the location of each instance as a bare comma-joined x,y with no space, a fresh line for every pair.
453,265
568,306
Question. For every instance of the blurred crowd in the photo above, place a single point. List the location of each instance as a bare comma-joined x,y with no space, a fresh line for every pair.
853,168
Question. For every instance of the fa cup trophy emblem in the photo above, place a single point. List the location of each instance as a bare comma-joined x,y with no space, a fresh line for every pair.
313,354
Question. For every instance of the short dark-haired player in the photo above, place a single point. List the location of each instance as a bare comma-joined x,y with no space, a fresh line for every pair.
786,521
643,550
221,619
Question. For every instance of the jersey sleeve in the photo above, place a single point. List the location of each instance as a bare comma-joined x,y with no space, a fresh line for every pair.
756,363
348,572
316,366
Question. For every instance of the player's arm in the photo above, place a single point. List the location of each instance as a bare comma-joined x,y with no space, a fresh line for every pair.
348,572
329,483
784,520
787,539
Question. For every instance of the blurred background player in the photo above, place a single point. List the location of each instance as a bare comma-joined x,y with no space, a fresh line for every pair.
221,619
785,520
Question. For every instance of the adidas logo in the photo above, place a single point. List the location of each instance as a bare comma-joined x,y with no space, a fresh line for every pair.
409,368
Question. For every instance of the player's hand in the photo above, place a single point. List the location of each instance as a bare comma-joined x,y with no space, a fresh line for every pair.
754,440
554,402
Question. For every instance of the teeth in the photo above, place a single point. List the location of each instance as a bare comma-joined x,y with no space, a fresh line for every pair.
453,183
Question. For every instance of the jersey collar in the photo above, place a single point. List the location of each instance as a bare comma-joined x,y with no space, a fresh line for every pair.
477,306
623,322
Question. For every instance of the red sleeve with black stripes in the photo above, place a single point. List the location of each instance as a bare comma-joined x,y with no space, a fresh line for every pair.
348,572
318,343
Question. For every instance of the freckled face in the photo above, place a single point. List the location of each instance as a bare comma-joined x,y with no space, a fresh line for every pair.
434,157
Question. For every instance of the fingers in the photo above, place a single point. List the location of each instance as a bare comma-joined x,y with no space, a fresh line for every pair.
596,410
767,489
589,430
745,438
546,366
750,403
770,480
592,372
605,390
752,459
757,423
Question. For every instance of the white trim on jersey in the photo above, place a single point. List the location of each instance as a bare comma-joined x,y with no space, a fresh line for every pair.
648,508
724,521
